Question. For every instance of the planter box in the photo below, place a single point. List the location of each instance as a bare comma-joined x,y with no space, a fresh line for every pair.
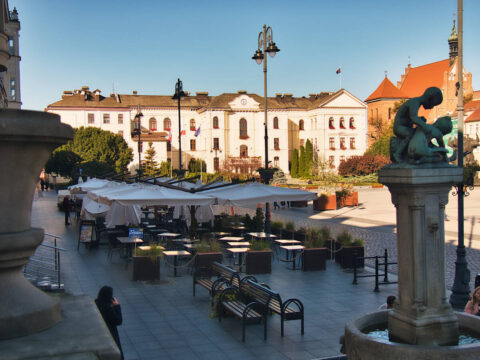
206,259
332,244
325,202
258,262
299,235
144,269
287,234
351,199
347,254
299,204
314,259
277,231
340,202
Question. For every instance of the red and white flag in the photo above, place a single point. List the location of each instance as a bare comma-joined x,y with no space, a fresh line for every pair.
339,70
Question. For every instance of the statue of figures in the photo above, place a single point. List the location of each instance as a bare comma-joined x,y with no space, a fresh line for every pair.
422,150
407,117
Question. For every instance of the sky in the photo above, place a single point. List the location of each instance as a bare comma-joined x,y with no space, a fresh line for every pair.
122,46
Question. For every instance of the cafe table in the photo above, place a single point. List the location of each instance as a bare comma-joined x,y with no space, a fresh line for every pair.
293,249
127,243
261,235
240,251
175,254
231,238
166,235
238,243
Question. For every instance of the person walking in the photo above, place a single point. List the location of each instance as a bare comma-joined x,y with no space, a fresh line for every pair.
111,312
66,209
472,306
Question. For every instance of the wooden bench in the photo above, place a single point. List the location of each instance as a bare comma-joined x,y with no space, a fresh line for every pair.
252,313
215,278
272,300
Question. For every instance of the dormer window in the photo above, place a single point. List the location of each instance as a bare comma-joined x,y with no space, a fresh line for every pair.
342,123
331,124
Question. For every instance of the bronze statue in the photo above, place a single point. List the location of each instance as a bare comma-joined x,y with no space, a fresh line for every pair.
414,144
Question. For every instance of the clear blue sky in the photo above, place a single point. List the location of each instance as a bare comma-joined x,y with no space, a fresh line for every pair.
146,45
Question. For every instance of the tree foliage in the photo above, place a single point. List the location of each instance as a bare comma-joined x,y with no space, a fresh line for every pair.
94,144
63,162
302,163
362,165
196,166
294,168
150,167
165,168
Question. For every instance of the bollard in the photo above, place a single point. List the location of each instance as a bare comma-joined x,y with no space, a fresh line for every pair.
385,277
376,275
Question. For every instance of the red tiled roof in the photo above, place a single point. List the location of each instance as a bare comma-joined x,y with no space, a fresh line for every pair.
472,105
475,116
418,79
386,90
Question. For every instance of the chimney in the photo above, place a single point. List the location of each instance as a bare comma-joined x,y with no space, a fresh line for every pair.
202,93
242,91
134,92
278,95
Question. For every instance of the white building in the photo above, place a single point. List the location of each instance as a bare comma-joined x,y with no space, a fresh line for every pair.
11,77
229,127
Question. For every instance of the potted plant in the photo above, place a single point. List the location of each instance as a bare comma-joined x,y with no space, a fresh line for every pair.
314,255
277,227
146,263
206,252
330,243
300,234
325,202
351,199
341,195
258,259
289,230
350,248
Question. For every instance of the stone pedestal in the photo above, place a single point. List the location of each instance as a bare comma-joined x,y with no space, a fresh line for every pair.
421,314
26,140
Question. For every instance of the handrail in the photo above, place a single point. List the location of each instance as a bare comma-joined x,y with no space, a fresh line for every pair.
53,247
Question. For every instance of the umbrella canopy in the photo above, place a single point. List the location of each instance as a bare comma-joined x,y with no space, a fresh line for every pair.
90,184
122,215
254,193
112,187
151,195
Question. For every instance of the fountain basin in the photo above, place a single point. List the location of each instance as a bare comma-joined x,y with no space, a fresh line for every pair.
360,345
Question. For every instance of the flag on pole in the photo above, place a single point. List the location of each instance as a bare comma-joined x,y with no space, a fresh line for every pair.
169,136
339,70
197,132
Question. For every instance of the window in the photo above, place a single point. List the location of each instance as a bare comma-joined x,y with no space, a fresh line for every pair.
216,164
192,145
331,124
276,161
275,122
301,125
243,129
342,123
152,124
389,113
352,123
169,146
10,45
215,122
192,125
106,118
352,143
167,124
276,143
331,161
331,143
91,118
243,151
120,119
216,144
12,89
342,158
120,132
342,143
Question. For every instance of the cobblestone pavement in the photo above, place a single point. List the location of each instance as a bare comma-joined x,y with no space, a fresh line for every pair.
374,221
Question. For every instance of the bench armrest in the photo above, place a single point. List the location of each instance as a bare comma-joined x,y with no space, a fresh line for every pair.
255,306
297,302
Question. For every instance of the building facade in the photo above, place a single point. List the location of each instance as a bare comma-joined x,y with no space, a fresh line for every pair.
226,131
11,77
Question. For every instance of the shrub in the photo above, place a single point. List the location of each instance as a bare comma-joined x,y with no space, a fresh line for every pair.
345,238
153,251
206,246
362,165
290,226
259,244
277,225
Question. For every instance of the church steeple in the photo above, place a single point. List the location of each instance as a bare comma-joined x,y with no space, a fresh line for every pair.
453,44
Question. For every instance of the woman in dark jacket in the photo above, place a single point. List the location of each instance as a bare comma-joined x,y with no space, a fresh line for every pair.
111,312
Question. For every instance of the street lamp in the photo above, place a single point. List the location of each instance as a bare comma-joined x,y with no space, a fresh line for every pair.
179,94
265,45
138,118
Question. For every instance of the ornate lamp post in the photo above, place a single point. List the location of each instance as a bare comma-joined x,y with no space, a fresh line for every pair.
179,94
460,288
265,45
138,118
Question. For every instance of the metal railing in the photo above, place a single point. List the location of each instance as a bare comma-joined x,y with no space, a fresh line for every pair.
44,266
377,273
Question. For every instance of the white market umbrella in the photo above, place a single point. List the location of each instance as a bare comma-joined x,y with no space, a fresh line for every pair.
88,185
122,215
253,193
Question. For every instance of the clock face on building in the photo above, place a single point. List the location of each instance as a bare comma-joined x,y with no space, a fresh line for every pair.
244,101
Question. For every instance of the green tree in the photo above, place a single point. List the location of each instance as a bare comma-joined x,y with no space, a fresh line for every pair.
294,167
165,168
381,146
94,144
150,167
308,158
196,166
63,162
96,168
302,164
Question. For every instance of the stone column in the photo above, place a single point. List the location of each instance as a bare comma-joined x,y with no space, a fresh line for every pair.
421,314
26,140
